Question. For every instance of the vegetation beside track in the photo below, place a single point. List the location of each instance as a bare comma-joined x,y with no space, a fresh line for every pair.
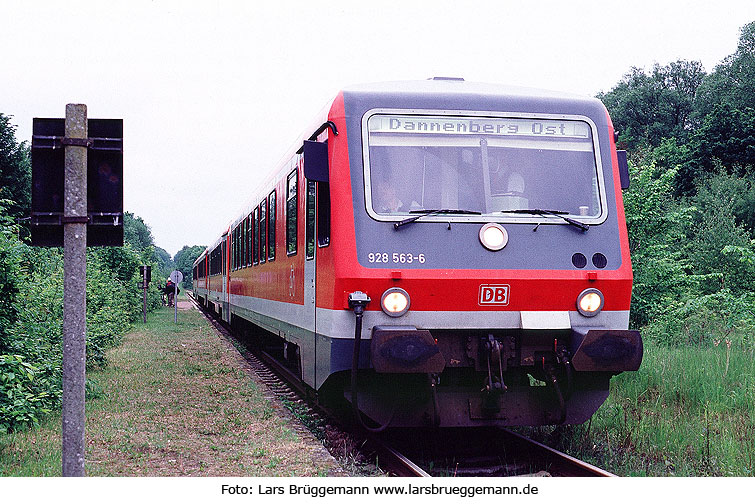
172,401
31,317
688,411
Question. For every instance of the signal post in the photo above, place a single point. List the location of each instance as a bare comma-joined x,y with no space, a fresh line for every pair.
74,288
77,201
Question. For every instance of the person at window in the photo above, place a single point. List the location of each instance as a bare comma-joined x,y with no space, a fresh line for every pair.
386,199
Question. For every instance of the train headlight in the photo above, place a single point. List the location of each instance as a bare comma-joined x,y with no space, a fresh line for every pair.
590,302
395,302
493,236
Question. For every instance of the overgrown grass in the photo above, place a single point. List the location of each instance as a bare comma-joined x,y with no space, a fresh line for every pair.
172,401
688,411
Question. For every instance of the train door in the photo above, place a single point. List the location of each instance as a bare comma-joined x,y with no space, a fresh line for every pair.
316,235
307,321
309,257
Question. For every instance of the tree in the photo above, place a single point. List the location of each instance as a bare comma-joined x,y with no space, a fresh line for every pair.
719,246
649,107
727,135
733,81
15,171
657,225
165,264
136,233
184,260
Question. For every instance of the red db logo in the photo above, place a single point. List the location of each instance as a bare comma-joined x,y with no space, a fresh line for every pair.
494,294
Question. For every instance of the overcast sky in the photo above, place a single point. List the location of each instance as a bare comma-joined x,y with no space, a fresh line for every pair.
213,93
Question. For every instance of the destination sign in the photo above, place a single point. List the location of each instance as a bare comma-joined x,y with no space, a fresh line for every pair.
478,126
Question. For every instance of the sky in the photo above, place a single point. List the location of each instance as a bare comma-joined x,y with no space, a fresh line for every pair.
213,93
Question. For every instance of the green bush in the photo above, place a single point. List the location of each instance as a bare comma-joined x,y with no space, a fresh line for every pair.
25,393
9,270
706,321
31,318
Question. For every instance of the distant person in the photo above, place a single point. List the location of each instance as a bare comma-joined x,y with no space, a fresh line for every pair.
170,291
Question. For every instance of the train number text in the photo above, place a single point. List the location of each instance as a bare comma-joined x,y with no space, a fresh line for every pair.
395,258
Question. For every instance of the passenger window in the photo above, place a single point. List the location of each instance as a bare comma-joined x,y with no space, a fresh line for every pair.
249,240
323,214
236,243
263,229
237,261
291,210
255,238
242,243
271,226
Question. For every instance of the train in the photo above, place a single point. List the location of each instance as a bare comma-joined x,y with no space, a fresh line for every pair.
439,253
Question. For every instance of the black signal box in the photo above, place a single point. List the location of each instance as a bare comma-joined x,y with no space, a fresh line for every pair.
104,182
146,275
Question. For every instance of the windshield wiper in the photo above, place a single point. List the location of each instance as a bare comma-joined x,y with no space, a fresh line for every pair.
557,213
425,213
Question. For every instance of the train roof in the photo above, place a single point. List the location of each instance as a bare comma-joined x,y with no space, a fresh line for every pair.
441,86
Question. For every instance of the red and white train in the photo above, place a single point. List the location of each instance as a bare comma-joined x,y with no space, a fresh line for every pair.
440,253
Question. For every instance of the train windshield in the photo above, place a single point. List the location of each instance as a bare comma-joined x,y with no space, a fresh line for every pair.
481,164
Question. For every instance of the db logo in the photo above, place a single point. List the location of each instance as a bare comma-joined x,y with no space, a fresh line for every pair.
494,294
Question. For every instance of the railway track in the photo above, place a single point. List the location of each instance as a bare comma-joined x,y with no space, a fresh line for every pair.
444,452
488,451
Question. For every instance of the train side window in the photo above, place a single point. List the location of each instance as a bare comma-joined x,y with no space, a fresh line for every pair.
233,248
271,226
255,237
248,245
247,240
242,243
291,211
309,231
263,231
323,214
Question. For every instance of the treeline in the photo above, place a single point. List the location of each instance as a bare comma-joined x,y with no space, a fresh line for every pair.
31,295
691,205
184,262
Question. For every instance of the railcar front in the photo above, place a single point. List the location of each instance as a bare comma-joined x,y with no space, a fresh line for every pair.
199,278
486,227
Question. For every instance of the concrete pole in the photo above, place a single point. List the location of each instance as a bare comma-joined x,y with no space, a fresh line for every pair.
74,292
144,286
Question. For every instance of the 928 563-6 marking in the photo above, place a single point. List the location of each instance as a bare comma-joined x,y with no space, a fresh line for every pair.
395,258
